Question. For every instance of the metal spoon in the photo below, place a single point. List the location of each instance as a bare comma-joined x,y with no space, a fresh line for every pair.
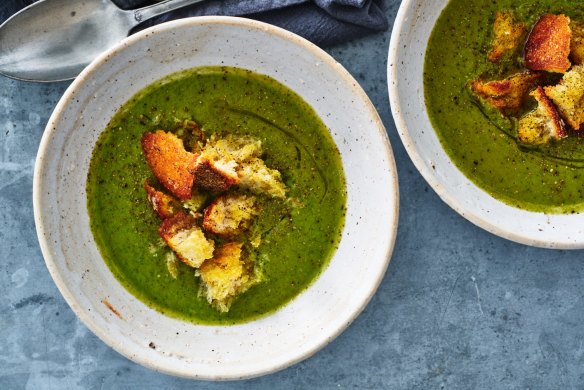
53,40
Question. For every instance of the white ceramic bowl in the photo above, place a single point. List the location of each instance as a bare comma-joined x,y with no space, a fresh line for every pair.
311,320
414,23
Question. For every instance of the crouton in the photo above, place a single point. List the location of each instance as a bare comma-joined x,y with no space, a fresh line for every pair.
226,276
216,176
216,166
507,35
196,203
232,160
255,176
542,124
548,45
164,205
507,95
186,239
568,96
172,165
577,43
230,215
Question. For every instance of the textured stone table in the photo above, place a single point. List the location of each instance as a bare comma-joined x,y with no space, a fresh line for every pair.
458,308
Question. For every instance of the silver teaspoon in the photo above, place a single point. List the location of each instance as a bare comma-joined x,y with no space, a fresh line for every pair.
53,40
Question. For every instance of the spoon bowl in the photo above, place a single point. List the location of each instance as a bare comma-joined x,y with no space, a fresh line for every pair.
54,40
41,42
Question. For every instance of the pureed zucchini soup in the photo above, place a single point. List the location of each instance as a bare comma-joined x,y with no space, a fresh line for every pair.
499,106
265,205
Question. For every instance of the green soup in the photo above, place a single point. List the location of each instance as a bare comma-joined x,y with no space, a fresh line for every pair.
299,235
482,144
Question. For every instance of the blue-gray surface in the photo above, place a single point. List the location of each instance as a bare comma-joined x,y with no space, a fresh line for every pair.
458,308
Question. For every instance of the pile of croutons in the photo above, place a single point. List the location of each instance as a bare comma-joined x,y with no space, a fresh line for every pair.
209,191
555,45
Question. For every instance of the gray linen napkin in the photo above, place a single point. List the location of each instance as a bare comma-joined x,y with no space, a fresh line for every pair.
324,22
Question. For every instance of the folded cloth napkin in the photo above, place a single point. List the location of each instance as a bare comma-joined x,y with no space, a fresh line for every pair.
324,22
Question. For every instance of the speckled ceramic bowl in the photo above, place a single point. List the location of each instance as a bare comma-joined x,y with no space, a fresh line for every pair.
414,23
172,346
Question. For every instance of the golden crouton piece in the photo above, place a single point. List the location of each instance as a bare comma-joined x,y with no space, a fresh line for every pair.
226,276
172,165
196,203
230,215
232,160
164,205
548,45
542,124
255,176
219,159
568,96
216,176
507,95
507,35
186,239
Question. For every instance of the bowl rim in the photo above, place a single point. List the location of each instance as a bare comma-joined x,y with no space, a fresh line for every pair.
69,297
443,192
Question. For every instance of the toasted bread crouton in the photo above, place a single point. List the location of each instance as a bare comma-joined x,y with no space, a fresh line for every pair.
548,45
225,276
577,43
164,205
230,215
216,176
507,35
186,239
235,161
196,203
506,95
172,165
257,177
568,96
542,124
219,160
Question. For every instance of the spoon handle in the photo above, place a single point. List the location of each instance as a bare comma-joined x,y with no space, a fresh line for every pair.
151,11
